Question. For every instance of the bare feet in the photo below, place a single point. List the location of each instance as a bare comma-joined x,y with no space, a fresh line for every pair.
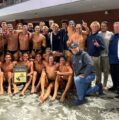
9,91
105,88
52,98
36,90
32,91
1,93
41,100
15,91
21,94
62,98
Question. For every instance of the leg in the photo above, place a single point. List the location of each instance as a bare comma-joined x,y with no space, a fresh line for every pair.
105,70
15,88
97,69
10,76
1,83
68,85
38,85
56,88
43,83
48,91
117,77
82,85
113,75
26,86
33,81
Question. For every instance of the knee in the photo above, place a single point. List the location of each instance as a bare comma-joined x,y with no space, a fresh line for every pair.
9,74
77,79
35,73
1,74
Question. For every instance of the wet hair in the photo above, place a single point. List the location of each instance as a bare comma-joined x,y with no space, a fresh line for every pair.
8,54
64,21
63,57
38,53
72,22
104,22
95,23
25,53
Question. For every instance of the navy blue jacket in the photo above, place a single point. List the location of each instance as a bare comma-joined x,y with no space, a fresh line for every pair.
113,48
82,64
91,49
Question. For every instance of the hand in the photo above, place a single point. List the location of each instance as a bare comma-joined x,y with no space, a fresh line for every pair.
96,43
84,24
81,75
58,73
28,75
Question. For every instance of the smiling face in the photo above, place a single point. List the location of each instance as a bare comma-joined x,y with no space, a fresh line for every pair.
116,27
25,27
38,57
75,50
10,27
51,60
95,26
104,27
37,29
62,60
78,28
25,57
8,58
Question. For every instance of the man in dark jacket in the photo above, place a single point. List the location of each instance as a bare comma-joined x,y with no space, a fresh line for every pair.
95,45
83,74
114,58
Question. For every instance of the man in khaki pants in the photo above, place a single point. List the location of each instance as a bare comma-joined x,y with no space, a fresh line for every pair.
104,60
95,46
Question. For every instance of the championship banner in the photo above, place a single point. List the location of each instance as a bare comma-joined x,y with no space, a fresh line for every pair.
20,73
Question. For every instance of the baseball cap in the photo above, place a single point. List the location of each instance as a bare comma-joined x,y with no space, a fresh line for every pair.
74,45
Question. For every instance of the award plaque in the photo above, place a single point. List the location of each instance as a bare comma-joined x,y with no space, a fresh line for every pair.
20,73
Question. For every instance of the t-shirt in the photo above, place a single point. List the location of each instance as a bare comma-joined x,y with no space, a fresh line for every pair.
106,39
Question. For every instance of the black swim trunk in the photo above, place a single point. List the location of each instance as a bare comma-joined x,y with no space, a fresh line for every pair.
50,80
12,52
37,50
1,53
24,51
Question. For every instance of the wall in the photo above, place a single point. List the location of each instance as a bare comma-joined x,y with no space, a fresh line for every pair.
113,15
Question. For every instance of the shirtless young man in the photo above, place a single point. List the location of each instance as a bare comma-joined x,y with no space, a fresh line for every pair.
38,41
46,55
79,36
24,40
38,67
7,68
25,61
19,26
64,73
48,77
2,44
1,80
12,42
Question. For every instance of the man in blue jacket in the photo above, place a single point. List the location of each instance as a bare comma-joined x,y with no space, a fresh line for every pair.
95,46
114,58
83,74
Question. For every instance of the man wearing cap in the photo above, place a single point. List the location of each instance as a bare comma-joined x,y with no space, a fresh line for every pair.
83,74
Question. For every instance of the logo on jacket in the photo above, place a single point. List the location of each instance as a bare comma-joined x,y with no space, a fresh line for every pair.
80,61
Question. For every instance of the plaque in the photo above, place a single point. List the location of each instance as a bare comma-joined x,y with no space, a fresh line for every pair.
20,73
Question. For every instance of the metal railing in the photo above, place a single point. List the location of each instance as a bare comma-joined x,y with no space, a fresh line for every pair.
6,3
